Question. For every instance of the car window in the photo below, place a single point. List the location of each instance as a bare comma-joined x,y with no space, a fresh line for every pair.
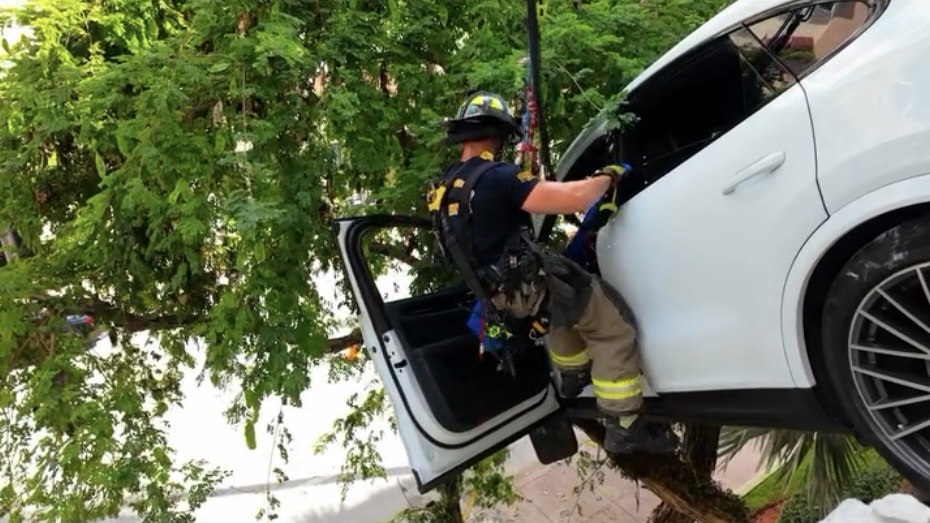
713,88
804,37
698,99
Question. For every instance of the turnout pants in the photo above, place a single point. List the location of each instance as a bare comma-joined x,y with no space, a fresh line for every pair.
588,331
604,341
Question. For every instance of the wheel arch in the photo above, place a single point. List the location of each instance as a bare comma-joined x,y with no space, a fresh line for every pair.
822,257
821,280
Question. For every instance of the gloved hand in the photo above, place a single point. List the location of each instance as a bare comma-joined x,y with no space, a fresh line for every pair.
607,205
615,172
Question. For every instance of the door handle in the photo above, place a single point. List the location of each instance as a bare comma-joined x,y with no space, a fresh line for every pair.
763,166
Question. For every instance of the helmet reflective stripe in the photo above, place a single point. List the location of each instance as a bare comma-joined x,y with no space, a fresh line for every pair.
479,105
483,114
486,101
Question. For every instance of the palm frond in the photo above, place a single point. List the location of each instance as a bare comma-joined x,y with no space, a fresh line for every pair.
825,464
834,461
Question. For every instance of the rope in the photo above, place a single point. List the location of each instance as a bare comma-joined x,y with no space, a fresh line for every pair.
534,10
526,149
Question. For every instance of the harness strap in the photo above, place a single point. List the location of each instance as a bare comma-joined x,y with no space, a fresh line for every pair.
451,210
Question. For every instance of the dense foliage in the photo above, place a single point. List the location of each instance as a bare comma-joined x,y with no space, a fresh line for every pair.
173,167
871,480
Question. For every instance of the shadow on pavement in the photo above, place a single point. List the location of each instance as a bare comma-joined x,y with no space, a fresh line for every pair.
295,496
379,507
313,481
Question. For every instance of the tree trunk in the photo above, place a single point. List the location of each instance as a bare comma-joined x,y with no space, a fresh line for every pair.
676,483
699,448
448,509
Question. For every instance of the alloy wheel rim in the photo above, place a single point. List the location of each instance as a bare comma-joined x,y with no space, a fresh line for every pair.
889,357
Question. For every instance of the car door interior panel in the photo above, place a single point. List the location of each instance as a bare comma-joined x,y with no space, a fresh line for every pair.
462,388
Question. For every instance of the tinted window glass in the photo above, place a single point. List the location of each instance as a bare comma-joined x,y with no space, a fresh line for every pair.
699,99
803,37
713,88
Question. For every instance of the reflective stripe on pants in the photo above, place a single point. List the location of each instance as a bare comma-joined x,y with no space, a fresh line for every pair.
621,389
605,337
570,361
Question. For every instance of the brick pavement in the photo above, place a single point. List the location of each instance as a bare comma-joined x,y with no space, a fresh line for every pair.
549,496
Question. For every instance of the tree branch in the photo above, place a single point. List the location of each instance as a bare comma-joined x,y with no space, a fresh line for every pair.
135,323
344,342
398,252
676,483
109,313
384,80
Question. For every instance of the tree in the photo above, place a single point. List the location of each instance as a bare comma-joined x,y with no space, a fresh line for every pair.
700,447
680,485
173,168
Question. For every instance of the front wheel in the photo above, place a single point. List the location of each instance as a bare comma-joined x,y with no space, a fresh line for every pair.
876,342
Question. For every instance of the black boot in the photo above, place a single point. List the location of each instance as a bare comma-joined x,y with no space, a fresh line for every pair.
642,436
573,381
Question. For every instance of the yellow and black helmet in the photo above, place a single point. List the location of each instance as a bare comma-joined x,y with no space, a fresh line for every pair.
483,115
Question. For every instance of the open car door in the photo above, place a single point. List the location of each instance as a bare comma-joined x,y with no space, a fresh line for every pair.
453,407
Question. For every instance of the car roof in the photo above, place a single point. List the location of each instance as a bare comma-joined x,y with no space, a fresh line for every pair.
732,15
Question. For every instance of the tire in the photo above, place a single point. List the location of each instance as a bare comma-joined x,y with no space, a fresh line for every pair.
856,318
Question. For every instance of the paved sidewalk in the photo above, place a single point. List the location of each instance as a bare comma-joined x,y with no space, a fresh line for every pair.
549,496
547,491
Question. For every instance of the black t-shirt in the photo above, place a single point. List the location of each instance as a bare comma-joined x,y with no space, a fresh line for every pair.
496,206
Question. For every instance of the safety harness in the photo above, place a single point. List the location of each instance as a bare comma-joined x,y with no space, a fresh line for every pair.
451,198
519,265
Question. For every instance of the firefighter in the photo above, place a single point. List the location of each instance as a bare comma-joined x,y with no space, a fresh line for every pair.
481,213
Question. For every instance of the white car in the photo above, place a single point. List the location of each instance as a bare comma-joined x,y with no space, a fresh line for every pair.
774,243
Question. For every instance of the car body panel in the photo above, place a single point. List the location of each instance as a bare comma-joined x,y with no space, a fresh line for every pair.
898,195
699,306
433,451
884,75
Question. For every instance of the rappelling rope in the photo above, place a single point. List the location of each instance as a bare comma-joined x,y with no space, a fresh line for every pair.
526,149
536,10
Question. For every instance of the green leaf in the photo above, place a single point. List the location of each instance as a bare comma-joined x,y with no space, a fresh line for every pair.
219,67
251,399
6,398
250,434
161,457
101,166
123,141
